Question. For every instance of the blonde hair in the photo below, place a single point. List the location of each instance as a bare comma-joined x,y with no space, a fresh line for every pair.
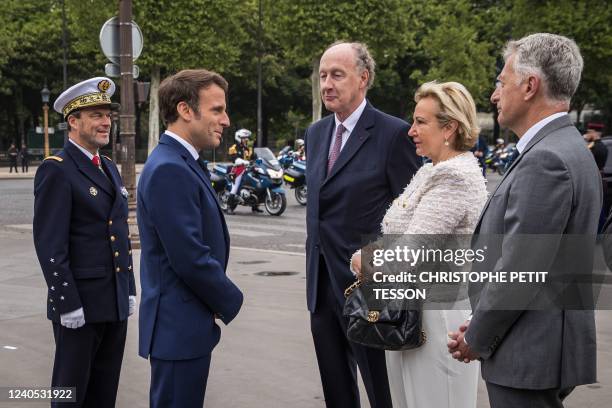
456,104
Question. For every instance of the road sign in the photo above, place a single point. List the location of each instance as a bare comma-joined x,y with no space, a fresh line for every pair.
113,71
109,40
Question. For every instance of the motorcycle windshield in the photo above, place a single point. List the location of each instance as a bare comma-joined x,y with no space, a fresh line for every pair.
265,154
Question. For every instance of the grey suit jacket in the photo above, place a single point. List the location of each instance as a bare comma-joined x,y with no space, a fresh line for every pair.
553,187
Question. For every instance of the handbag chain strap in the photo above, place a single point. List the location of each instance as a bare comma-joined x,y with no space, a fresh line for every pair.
351,289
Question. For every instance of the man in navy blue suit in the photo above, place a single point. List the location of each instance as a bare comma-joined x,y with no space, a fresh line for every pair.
82,241
359,160
185,243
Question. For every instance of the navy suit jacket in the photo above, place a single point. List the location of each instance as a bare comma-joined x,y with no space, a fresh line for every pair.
185,249
347,205
81,237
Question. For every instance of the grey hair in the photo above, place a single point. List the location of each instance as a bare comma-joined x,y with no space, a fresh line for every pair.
363,59
554,58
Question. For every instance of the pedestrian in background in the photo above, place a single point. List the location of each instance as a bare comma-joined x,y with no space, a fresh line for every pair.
12,155
595,145
481,151
24,156
600,154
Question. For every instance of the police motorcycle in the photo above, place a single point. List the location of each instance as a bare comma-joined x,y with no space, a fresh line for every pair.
503,158
294,173
261,183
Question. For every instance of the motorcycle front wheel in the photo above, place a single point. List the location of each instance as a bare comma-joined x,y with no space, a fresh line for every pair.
275,203
223,197
301,195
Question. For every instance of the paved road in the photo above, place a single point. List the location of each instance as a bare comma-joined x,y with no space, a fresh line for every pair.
265,358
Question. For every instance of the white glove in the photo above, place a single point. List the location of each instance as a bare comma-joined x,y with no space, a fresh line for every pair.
74,319
240,162
132,306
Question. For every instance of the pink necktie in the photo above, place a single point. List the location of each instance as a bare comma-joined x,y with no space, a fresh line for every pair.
335,150
96,161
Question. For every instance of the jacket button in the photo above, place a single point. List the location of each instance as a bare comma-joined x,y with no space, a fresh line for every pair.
130,252
110,222
118,269
112,238
116,254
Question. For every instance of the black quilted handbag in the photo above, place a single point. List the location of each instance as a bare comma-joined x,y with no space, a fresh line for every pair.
385,329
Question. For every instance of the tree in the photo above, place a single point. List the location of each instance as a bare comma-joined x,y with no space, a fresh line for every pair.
181,34
588,23
306,28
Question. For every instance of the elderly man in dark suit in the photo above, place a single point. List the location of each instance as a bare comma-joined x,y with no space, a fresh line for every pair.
359,160
82,242
185,243
535,357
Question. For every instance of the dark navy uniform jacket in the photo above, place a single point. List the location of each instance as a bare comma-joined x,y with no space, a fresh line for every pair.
81,237
185,248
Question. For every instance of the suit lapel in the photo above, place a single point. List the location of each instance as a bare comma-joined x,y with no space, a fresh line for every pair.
357,138
116,181
195,167
87,168
317,171
545,131
200,172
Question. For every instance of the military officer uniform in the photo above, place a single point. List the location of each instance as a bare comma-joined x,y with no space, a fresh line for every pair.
82,241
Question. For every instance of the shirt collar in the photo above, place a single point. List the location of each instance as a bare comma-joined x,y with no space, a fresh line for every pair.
532,131
192,150
81,148
350,122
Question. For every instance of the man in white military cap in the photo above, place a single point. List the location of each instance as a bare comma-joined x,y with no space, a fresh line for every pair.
82,242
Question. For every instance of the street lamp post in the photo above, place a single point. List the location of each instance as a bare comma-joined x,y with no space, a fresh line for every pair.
45,93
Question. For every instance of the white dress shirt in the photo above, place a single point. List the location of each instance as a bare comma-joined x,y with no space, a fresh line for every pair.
532,131
349,124
192,150
84,150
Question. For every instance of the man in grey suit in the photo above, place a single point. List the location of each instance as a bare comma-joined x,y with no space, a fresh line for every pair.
536,357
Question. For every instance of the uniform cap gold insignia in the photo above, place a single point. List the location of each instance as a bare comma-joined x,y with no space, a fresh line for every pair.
104,85
93,191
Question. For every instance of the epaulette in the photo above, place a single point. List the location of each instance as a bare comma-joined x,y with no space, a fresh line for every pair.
56,158
106,157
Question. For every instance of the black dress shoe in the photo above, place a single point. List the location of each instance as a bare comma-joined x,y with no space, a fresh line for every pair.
256,209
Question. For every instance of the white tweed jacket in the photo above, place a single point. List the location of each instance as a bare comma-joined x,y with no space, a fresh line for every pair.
443,199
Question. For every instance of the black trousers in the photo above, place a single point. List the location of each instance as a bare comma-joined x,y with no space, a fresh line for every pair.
89,358
178,383
24,165
506,397
13,163
338,358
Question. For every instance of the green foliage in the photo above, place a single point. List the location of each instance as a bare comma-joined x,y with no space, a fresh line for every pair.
412,41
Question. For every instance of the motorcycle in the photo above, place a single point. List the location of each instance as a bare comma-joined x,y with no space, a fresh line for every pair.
294,174
261,183
500,160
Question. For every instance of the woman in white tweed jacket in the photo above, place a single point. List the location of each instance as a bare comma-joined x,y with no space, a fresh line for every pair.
444,197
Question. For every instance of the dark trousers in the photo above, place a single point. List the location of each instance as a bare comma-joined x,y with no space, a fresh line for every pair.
178,383
24,165
89,358
338,358
506,397
13,163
